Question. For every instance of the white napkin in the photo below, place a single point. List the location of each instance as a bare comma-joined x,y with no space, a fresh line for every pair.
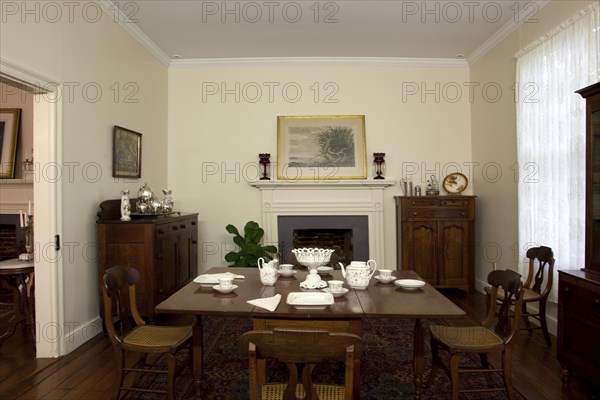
268,303
214,278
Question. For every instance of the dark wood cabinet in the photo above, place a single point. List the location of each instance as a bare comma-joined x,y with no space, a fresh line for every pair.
579,323
436,237
164,249
579,290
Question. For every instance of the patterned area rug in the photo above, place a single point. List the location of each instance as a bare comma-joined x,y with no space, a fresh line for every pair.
386,366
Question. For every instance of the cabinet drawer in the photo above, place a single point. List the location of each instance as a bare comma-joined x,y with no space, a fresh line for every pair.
438,213
581,299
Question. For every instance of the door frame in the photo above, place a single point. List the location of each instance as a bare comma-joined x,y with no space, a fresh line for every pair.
47,189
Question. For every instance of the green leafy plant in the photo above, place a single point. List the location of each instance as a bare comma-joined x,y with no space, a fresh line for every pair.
250,246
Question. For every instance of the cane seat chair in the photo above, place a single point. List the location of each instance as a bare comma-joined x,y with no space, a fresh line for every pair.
304,347
132,338
536,288
482,340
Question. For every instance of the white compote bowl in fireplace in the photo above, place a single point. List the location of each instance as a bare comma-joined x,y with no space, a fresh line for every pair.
313,258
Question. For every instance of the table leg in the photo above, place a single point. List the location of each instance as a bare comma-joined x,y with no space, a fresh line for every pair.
418,356
197,336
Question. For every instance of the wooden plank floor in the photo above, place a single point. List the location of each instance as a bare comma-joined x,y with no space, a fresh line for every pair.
87,372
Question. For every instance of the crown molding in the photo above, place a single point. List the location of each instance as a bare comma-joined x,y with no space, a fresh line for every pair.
503,33
319,61
131,28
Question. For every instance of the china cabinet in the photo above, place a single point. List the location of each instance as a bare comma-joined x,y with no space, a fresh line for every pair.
579,290
436,238
163,248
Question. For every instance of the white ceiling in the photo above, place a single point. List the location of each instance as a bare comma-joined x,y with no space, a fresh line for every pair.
199,30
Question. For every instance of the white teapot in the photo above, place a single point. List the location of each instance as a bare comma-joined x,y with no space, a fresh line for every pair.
268,271
359,273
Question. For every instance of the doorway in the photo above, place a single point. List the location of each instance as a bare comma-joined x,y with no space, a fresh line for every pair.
48,265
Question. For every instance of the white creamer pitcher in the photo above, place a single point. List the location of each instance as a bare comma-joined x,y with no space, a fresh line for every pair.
359,273
268,271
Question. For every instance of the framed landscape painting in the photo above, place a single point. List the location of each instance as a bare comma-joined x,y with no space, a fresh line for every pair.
127,153
321,147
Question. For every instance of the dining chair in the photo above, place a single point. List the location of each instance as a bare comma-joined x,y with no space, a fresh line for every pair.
132,338
482,339
536,288
305,347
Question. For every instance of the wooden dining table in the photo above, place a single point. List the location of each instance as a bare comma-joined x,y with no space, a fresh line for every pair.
347,313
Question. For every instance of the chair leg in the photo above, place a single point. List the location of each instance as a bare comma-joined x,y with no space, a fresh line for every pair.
171,363
454,364
507,374
120,360
543,322
435,359
524,312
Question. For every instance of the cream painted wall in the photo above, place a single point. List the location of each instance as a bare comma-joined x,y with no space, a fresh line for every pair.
214,140
494,141
107,79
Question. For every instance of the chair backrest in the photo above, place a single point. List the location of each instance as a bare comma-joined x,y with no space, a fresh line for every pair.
118,292
507,324
308,347
544,258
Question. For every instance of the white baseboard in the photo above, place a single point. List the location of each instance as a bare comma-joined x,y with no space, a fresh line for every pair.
77,334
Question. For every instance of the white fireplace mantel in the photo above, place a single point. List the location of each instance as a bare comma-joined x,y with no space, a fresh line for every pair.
356,197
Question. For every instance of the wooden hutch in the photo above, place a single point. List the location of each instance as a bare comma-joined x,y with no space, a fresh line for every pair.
579,290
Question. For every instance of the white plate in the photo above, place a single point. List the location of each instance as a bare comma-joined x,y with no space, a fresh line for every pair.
219,289
320,285
213,279
336,294
409,284
309,299
287,274
387,280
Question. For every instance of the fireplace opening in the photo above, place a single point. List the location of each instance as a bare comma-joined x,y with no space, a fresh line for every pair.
12,240
348,235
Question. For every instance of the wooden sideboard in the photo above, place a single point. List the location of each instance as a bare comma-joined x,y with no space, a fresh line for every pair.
436,239
164,249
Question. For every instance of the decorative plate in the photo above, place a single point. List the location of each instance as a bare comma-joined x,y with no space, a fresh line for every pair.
309,300
455,183
410,284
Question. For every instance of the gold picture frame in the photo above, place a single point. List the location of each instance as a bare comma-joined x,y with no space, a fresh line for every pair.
127,153
321,147
10,124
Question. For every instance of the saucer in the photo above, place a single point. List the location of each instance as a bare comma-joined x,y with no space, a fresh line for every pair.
409,284
324,270
386,280
336,294
219,289
287,274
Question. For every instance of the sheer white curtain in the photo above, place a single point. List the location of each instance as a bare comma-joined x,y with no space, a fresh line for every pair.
551,138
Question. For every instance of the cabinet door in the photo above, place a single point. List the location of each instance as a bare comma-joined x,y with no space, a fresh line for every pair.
166,267
184,250
420,252
454,252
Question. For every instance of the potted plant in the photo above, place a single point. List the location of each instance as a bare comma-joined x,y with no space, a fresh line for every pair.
250,247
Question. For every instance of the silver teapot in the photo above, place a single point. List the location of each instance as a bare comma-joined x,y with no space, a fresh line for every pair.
145,194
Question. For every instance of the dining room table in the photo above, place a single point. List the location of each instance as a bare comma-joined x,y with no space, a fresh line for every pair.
346,314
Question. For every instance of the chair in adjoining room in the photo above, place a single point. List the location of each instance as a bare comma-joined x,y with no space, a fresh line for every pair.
147,342
536,288
300,347
483,339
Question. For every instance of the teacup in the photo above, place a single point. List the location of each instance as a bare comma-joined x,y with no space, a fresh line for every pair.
385,274
335,286
226,282
286,268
